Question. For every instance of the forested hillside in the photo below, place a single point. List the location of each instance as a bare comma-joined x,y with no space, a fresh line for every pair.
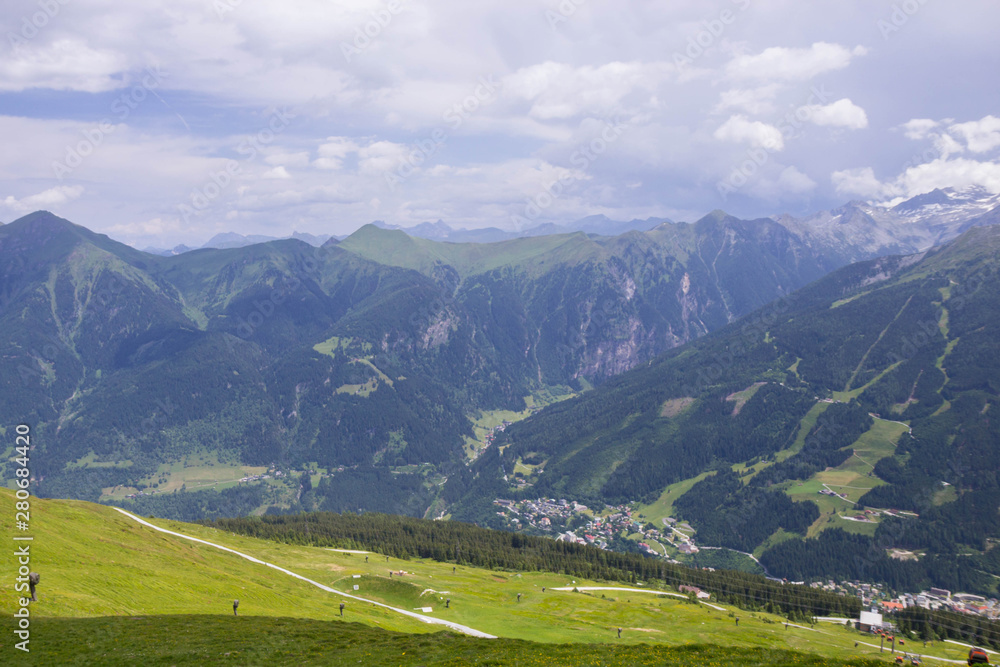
361,356
783,399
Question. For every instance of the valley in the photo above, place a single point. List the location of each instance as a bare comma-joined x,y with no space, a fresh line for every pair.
696,423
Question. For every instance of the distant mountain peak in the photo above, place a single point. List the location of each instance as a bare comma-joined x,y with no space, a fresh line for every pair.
598,224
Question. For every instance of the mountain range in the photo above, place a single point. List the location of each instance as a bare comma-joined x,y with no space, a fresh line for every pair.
383,354
227,240
871,227
594,224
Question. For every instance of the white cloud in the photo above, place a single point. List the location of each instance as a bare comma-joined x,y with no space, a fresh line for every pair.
739,129
333,152
66,64
278,172
955,173
941,173
780,63
561,91
790,184
381,157
50,198
758,100
297,159
860,182
358,119
980,135
918,128
939,168
946,145
842,113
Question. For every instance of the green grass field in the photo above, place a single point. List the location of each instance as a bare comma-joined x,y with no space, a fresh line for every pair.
851,479
198,471
664,505
204,640
116,592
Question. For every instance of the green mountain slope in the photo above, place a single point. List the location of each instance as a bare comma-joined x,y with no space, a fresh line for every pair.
370,355
905,340
114,591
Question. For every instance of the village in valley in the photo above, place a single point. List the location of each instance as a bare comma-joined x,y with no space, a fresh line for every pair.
876,596
621,527
617,527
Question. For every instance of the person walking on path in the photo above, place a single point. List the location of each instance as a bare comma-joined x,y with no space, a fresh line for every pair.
236,603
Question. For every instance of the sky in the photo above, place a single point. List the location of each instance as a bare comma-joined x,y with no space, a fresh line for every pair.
167,121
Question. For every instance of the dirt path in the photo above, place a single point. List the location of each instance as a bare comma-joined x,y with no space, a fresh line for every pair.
420,617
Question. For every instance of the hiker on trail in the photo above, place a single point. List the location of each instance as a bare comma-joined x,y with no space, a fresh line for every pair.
619,633
518,597
737,621
386,559
236,603
447,603
453,569
366,559
341,608
33,579
390,574
543,589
